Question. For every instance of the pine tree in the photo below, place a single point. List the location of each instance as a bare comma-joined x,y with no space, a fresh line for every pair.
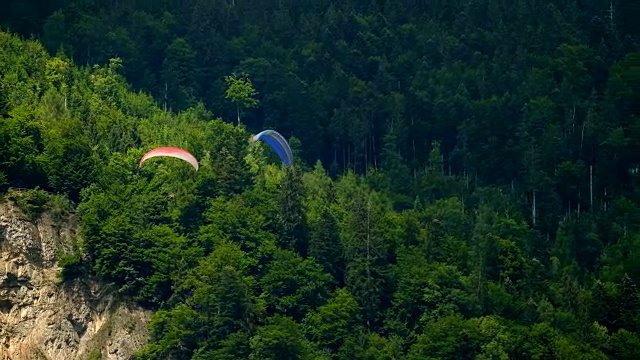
292,217
325,246
629,306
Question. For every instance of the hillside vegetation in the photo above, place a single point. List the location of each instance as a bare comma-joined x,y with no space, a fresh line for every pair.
465,182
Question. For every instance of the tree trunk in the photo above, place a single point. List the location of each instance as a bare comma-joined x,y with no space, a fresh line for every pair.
373,148
591,187
533,209
344,159
166,87
582,139
579,203
368,249
366,158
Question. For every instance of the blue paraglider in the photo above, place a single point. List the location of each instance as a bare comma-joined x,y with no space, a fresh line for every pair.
278,143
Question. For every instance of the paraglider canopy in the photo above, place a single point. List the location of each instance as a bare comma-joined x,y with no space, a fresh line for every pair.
171,152
278,143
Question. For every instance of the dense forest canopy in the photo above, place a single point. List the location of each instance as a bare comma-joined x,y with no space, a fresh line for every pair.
465,183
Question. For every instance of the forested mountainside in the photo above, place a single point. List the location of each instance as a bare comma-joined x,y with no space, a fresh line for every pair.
465,183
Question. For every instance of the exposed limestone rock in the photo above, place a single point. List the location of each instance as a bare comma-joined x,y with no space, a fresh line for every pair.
40,319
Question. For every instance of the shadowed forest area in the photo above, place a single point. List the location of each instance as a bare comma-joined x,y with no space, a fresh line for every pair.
465,182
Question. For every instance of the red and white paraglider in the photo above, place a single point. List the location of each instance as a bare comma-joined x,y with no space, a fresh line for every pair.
171,152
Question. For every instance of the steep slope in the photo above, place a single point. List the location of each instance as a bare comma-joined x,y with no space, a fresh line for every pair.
42,319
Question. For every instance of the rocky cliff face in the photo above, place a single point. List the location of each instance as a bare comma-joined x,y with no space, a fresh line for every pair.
41,319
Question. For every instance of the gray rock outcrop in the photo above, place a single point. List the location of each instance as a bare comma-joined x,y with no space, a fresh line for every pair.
42,319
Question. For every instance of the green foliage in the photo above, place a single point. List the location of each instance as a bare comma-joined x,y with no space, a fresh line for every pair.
479,198
95,354
334,322
72,262
292,285
178,74
33,203
281,338
240,91
4,184
21,136
69,161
